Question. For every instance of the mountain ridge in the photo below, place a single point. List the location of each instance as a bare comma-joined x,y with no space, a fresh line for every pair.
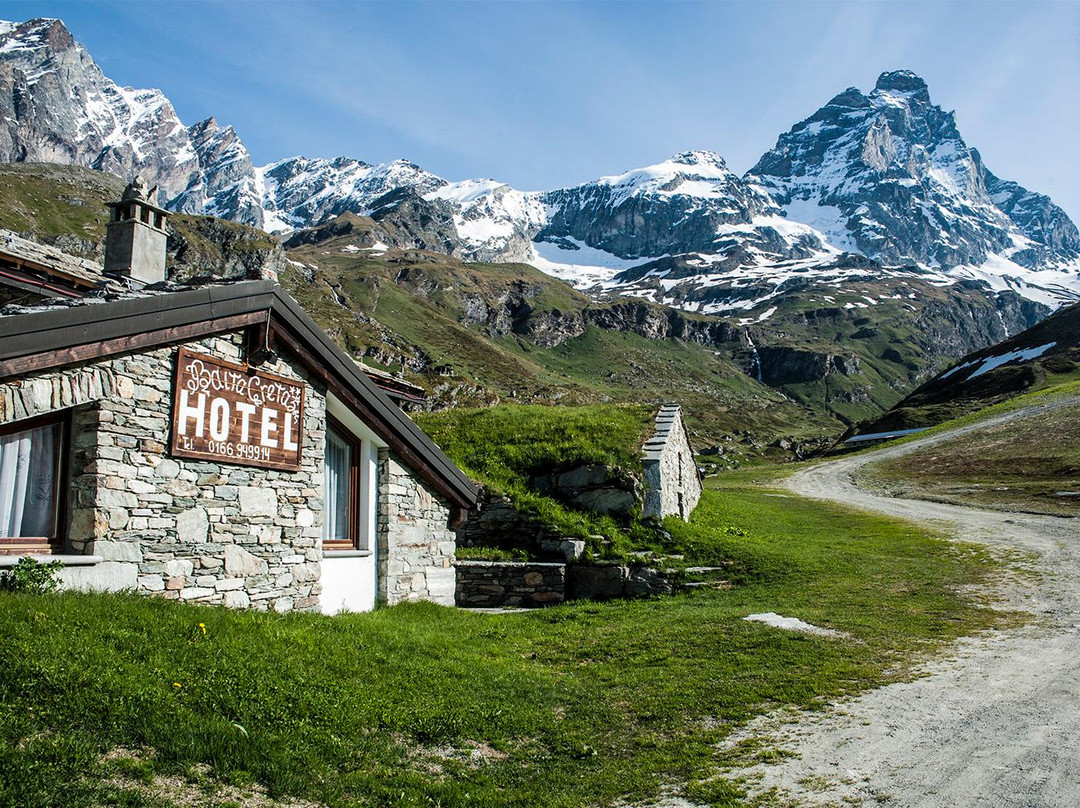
882,180
818,359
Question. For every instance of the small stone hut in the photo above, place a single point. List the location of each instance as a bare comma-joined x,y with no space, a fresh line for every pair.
672,482
213,445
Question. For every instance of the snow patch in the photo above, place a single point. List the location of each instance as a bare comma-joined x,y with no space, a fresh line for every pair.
824,218
765,315
793,624
1024,355
582,267
986,364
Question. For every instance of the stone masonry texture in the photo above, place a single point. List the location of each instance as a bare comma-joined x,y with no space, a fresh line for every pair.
487,584
206,532
416,544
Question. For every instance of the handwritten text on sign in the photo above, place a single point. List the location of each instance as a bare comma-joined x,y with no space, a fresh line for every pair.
225,413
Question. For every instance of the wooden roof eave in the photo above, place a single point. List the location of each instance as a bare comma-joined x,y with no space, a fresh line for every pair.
384,417
41,340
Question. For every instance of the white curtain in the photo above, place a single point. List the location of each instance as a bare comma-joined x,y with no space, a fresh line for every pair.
336,485
28,483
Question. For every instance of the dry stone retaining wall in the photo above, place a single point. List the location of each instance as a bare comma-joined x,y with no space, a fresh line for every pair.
489,584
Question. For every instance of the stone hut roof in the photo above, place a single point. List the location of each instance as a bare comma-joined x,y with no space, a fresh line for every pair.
46,270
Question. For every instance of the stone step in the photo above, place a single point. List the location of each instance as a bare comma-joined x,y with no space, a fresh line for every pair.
708,585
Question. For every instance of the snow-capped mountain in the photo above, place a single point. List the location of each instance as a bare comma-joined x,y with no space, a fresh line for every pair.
690,203
887,175
871,183
493,221
57,106
301,192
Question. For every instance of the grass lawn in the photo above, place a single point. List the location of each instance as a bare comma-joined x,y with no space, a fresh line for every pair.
105,698
1030,465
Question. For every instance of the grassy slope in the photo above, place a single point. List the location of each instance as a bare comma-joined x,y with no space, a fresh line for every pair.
48,200
1023,465
503,447
420,705
422,308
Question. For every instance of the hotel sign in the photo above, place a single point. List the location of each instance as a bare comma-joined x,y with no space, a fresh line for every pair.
230,414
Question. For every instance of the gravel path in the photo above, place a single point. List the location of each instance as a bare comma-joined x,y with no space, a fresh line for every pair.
997,724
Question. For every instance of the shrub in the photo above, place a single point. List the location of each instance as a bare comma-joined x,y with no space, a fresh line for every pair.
31,577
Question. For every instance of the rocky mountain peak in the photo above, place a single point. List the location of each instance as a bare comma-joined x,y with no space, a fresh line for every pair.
204,129
57,106
37,37
699,157
888,175
851,98
903,81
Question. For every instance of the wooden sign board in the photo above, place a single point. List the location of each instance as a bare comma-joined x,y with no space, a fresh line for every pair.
228,413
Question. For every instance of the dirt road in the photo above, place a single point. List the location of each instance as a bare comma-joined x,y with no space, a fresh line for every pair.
995,725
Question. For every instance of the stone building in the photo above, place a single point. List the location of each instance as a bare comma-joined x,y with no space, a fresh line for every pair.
672,483
213,445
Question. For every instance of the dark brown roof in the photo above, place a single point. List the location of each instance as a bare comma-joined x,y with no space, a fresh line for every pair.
38,340
29,266
397,389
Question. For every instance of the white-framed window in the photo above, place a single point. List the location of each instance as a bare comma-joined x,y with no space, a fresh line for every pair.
32,470
350,489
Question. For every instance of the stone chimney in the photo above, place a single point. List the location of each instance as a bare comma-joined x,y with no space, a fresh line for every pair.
135,239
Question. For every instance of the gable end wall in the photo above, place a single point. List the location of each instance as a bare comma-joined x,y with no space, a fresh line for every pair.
416,544
673,487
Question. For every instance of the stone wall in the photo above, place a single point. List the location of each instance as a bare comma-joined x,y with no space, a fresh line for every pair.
489,584
495,522
673,487
178,528
416,544
611,581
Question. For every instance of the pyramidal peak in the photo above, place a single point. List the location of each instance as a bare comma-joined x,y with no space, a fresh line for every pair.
889,175
902,81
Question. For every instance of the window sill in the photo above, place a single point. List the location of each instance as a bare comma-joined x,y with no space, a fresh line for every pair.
45,558
347,553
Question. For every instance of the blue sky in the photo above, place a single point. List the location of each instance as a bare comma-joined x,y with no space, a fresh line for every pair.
541,95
